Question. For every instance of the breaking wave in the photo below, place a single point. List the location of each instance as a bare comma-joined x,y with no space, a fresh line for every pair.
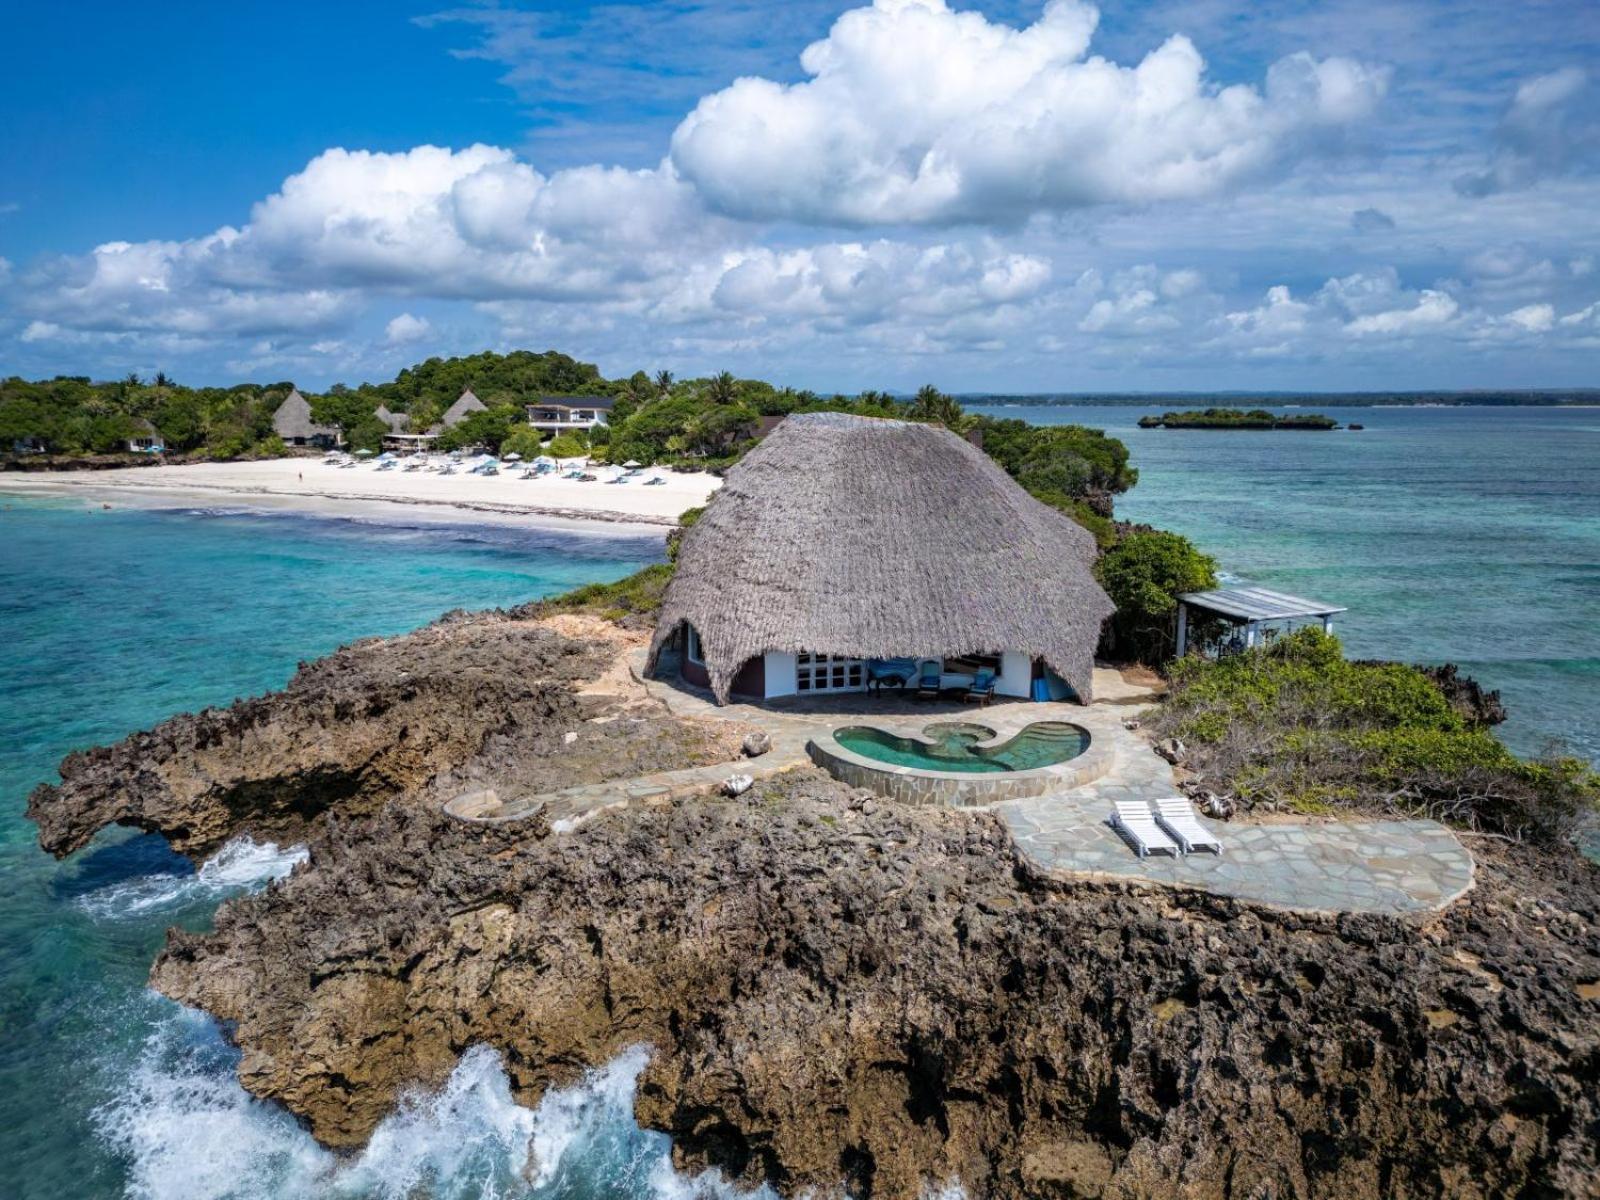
239,866
187,1130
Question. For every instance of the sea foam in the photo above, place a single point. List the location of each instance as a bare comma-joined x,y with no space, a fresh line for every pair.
241,865
187,1130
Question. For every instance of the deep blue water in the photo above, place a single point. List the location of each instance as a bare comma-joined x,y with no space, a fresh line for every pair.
1468,535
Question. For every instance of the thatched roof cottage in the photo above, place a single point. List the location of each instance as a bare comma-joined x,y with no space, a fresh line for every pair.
146,438
843,541
292,422
466,404
397,422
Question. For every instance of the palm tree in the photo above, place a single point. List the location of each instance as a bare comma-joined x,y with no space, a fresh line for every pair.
930,404
723,388
663,382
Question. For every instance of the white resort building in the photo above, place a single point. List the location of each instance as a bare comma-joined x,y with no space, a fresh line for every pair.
146,439
558,414
845,551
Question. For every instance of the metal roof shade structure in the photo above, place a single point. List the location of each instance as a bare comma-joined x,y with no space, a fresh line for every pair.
1250,607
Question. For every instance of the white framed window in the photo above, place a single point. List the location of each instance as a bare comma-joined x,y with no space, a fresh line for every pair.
828,673
691,646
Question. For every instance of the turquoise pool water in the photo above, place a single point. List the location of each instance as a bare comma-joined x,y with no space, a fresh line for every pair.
954,747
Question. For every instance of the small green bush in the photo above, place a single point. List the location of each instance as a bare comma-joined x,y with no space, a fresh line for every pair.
637,595
524,441
1144,572
566,445
1297,725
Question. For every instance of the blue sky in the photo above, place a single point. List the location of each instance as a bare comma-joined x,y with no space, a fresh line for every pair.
1006,196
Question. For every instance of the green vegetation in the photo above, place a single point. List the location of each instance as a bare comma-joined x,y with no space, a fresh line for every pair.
427,389
524,441
1144,572
1297,725
567,445
1237,418
69,415
633,597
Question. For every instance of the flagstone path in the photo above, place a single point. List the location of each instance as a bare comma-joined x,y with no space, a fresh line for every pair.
1393,867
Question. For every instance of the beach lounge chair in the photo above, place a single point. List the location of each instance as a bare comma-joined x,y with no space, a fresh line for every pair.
1177,816
928,683
656,481
982,687
1136,825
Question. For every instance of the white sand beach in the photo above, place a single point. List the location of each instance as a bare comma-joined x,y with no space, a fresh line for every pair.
312,485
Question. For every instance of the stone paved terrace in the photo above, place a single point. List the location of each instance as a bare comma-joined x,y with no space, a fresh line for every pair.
1325,866
1393,867
1343,866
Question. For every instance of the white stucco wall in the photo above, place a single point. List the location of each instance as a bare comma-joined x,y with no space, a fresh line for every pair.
780,669
1016,675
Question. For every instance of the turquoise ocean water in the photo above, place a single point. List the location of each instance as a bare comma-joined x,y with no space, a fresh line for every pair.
1464,534
1467,535
112,621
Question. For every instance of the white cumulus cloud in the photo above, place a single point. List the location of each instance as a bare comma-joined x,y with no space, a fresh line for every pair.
918,114
405,328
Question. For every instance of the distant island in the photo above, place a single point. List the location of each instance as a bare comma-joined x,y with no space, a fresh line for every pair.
1556,397
1236,418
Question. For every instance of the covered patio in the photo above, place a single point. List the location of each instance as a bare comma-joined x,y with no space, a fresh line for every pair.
1251,614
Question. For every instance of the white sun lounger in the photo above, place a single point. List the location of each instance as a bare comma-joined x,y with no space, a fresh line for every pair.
1137,826
1177,816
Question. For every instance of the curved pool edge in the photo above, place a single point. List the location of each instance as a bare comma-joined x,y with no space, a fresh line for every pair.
957,789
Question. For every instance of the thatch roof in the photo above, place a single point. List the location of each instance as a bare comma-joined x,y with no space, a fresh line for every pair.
870,538
465,405
293,419
396,422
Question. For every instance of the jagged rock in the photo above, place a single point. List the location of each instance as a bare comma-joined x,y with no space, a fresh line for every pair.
1213,804
756,743
737,785
470,703
1170,749
887,998
1466,695
838,990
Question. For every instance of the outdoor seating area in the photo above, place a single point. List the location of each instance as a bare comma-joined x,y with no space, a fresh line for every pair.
1168,826
511,465
1382,866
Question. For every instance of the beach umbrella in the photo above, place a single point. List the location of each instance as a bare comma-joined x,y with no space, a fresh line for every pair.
513,457
630,464
544,460
363,453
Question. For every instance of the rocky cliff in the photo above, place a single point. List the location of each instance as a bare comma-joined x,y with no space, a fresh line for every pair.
836,990
489,700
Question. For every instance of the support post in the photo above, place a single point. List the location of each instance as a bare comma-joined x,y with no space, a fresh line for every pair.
1327,624
1183,628
1250,636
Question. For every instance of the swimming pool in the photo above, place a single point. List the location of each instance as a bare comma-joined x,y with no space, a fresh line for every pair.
953,746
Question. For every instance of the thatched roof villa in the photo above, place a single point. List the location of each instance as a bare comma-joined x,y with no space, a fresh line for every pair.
292,422
844,540
466,404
